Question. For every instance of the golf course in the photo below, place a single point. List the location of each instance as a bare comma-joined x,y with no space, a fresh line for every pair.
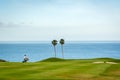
62,69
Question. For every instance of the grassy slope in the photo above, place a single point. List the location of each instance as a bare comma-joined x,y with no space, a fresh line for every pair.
68,69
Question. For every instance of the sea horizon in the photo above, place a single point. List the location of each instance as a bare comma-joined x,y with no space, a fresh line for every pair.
37,51
109,41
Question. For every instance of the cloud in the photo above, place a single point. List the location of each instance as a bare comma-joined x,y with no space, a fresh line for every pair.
1,23
14,25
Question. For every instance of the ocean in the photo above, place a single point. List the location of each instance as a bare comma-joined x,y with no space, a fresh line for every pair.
14,52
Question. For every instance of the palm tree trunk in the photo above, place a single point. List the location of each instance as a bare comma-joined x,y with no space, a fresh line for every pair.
62,51
55,51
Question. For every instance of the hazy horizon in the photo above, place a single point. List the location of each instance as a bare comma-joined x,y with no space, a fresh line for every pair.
32,42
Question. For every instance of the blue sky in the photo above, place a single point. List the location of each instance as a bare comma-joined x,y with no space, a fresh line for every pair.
73,20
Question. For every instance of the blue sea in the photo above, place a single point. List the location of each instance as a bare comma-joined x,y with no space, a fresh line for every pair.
14,52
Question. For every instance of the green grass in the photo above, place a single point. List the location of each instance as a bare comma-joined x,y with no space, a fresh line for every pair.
59,69
53,60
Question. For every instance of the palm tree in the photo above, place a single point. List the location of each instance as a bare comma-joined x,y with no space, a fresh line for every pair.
54,42
62,42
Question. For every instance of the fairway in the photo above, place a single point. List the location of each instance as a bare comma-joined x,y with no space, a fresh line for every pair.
61,70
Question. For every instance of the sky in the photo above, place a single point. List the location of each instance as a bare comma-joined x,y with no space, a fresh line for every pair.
72,20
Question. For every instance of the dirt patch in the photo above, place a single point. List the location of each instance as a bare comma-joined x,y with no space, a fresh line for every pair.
98,62
105,62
